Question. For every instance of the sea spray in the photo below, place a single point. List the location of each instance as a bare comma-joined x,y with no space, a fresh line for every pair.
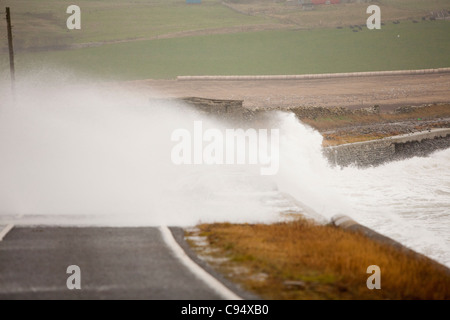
407,200
94,155
91,154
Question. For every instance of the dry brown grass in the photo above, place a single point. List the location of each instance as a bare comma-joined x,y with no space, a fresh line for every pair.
327,263
336,122
343,138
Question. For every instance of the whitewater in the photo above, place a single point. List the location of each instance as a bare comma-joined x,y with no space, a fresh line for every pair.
89,154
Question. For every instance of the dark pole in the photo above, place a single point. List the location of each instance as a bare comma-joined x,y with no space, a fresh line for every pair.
11,50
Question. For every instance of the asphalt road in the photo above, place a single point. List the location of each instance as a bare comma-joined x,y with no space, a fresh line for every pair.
115,263
355,92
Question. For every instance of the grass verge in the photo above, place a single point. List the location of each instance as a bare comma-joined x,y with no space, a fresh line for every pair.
302,260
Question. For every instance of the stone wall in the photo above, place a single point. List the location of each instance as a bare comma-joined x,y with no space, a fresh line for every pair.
215,106
369,153
314,112
220,108
420,148
361,154
376,152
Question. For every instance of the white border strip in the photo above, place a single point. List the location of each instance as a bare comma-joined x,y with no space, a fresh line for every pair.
5,231
208,279
315,76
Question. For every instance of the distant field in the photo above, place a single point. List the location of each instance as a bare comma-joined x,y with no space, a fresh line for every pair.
294,49
42,23
337,15
403,46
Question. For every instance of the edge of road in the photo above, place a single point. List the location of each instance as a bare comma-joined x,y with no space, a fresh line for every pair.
178,236
5,230
198,272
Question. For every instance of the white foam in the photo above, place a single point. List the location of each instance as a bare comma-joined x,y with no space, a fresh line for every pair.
88,155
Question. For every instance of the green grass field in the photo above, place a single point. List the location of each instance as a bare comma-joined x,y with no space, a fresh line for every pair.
402,46
41,23
324,16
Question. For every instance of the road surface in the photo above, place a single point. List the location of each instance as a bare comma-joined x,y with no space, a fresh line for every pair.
115,263
355,92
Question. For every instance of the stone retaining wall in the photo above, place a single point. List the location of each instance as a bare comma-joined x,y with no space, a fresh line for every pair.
376,152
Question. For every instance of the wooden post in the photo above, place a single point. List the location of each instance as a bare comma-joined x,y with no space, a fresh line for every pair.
11,50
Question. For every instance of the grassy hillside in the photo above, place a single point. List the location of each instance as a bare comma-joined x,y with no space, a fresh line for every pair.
402,46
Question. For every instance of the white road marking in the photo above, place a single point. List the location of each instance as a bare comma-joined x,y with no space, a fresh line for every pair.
37,289
208,279
5,231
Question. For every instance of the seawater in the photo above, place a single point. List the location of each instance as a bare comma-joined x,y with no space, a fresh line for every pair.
85,154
